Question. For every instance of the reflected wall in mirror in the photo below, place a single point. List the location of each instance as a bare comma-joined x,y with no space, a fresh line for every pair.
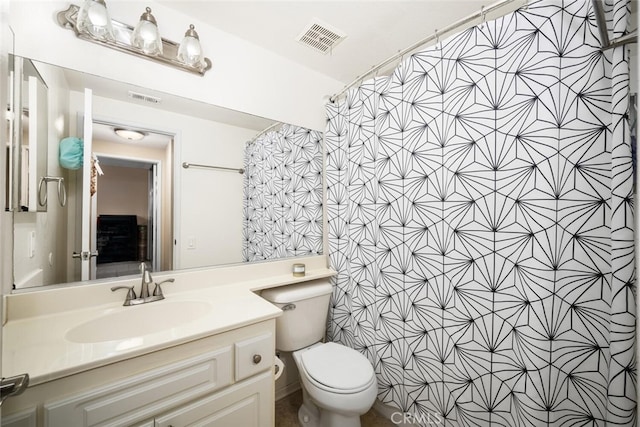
145,206
36,253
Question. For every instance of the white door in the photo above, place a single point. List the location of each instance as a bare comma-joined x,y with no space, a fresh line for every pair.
155,217
88,251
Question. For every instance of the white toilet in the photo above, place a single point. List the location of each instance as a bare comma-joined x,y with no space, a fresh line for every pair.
338,383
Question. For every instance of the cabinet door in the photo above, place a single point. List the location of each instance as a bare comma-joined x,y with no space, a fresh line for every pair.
247,404
254,355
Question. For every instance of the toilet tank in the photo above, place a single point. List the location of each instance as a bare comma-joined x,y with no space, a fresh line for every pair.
304,313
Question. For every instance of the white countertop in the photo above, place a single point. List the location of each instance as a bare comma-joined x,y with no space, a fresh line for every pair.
37,343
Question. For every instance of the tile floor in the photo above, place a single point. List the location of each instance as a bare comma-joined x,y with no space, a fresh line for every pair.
287,413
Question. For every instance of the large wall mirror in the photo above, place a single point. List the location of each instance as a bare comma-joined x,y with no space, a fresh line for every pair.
164,180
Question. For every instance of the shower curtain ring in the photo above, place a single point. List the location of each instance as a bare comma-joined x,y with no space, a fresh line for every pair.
437,39
483,14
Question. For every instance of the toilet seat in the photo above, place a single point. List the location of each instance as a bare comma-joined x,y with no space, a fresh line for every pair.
337,369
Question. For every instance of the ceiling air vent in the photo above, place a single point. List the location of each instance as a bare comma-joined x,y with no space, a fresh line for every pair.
144,98
320,36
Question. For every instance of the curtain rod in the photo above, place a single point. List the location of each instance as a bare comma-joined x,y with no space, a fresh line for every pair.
632,37
188,165
601,22
276,124
435,36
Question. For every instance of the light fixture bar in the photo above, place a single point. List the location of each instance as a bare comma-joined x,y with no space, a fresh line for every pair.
68,18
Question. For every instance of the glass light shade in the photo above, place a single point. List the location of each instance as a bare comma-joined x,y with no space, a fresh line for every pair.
190,51
93,19
130,134
146,35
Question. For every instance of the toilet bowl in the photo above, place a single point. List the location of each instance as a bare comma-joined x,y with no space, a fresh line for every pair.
339,385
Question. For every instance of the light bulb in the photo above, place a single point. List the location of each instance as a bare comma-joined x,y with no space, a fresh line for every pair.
190,50
93,19
146,35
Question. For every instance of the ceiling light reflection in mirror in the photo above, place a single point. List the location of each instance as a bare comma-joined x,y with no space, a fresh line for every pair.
129,134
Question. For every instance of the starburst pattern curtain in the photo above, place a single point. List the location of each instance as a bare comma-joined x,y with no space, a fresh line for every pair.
480,215
283,194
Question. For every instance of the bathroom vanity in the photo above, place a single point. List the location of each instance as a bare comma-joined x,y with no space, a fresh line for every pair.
214,379
203,356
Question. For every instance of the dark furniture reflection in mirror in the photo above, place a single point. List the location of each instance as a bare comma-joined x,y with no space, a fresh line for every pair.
117,238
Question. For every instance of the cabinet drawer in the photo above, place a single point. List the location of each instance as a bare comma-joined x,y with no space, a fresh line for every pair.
143,395
254,355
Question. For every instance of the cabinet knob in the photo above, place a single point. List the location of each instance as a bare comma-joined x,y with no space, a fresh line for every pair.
257,358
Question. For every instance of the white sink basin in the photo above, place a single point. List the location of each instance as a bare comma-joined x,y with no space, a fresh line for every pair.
138,320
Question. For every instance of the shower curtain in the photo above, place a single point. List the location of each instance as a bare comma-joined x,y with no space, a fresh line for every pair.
480,219
283,194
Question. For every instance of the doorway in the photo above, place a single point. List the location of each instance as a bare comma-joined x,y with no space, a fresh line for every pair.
131,208
126,216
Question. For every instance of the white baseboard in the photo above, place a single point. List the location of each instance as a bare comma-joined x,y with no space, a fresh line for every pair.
287,390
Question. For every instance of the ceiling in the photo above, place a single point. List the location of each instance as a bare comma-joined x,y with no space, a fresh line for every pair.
375,29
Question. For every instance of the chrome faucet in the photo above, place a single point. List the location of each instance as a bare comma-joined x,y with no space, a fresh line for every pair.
157,291
144,297
146,280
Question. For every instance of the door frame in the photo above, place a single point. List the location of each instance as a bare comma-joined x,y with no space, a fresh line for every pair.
156,190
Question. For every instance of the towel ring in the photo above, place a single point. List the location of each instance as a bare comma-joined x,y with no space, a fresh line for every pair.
62,191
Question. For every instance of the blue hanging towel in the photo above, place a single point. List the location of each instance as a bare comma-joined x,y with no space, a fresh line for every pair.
71,152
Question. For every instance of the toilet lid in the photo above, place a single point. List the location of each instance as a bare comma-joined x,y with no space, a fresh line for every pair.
337,366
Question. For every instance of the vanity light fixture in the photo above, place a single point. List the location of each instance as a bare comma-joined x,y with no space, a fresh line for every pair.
130,134
92,22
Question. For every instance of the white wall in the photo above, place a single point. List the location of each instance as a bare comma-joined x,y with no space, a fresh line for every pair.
244,77
124,191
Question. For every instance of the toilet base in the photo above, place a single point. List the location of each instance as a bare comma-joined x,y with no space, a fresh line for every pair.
310,415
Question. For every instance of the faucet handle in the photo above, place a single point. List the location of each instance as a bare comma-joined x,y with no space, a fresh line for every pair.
157,291
131,295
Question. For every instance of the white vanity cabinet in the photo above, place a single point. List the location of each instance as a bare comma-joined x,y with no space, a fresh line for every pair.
221,380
